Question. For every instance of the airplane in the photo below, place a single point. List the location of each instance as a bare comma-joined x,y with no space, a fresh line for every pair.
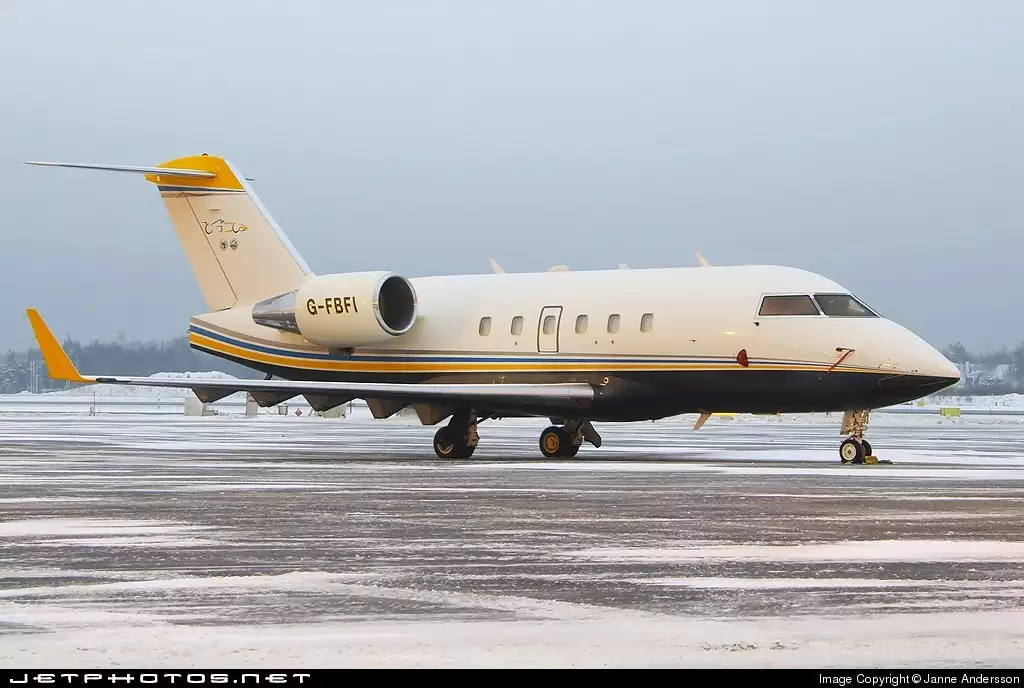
575,347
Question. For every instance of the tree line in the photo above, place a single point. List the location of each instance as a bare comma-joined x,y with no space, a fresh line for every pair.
993,372
25,370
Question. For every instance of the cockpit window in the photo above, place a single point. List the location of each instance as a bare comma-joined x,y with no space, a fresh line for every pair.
843,306
788,305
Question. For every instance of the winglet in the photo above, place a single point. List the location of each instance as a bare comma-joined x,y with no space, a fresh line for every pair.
58,365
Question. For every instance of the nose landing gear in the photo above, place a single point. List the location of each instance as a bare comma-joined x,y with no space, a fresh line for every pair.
855,449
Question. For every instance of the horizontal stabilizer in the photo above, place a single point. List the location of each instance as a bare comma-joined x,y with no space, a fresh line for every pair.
60,367
163,171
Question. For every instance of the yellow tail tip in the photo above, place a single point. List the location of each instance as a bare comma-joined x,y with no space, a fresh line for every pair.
58,365
225,177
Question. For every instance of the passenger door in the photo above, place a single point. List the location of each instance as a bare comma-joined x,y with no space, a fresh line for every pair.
547,329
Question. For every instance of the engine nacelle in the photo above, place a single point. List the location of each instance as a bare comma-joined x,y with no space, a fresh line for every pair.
345,310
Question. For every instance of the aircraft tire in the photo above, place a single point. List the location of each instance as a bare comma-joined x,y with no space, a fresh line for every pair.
852,451
448,446
553,442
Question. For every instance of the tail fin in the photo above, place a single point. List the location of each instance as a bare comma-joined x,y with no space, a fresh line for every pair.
237,252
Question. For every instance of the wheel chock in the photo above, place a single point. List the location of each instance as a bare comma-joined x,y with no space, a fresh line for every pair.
876,460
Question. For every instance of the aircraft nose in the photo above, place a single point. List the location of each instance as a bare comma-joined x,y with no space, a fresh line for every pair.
952,371
935,365
924,369
912,355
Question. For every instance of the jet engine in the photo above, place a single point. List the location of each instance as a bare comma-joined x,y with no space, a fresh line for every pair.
345,310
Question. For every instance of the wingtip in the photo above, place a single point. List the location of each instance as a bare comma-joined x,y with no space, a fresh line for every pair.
58,365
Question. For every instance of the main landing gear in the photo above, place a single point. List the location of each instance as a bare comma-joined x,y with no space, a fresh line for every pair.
856,449
458,439
565,441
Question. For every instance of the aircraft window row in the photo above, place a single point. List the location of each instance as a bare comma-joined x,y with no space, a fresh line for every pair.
548,325
831,305
614,320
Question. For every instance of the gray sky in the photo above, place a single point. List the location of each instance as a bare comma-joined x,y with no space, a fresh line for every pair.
879,143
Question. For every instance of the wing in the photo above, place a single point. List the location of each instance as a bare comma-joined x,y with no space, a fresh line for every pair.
541,396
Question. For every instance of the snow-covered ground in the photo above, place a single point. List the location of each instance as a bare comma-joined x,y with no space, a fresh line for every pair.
170,541
564,635
994,401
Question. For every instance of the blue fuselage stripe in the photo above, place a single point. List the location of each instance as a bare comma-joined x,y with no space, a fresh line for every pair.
408,357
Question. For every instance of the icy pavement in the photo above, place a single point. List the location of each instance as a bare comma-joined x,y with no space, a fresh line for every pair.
165,541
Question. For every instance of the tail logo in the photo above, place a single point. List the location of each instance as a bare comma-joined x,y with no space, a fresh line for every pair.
222,227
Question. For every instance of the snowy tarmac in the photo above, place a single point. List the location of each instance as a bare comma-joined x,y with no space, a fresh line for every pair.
276,541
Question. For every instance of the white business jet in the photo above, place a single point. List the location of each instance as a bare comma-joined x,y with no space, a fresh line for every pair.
573,346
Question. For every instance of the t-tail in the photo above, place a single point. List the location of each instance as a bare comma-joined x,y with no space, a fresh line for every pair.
238,254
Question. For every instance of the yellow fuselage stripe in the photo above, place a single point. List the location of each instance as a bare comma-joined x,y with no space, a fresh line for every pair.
301,363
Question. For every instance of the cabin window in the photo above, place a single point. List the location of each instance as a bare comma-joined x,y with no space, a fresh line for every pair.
517,325
581,324
549,324
788,305
843,306
613,323
485,327
647,322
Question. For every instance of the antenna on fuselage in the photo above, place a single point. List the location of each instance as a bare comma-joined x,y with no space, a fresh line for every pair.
702,260
494,266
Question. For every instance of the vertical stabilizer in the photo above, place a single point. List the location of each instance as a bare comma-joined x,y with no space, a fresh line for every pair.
237,252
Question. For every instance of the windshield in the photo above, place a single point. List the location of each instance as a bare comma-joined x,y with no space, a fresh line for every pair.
800,304
843,306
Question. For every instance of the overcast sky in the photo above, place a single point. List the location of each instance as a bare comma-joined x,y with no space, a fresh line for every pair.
880,143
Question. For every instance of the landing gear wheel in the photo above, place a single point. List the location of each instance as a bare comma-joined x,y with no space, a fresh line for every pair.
448,445
867,448
852,450
557,442
553,442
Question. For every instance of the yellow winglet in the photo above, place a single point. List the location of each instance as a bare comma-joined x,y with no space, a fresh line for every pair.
58,365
